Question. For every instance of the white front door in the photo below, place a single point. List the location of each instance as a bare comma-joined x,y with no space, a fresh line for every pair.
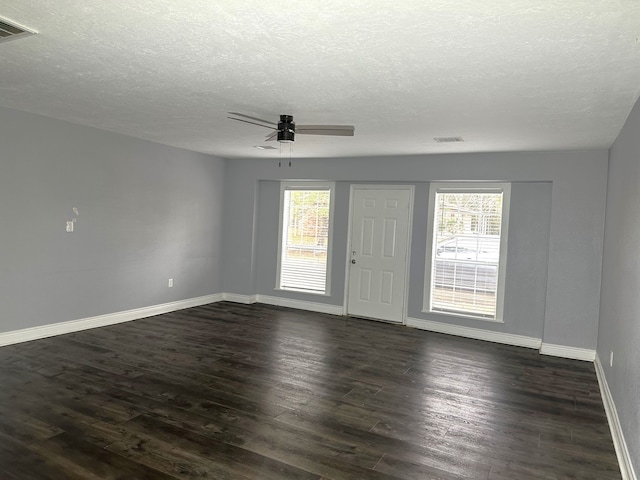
378,252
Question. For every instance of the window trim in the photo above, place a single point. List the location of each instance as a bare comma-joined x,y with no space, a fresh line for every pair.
469,187
304,185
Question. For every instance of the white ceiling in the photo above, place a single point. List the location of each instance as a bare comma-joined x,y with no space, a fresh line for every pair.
503,74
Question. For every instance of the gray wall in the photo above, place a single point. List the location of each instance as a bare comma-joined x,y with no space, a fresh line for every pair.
526,264
150,212
147,213
619,330
527,261
268,222
559,198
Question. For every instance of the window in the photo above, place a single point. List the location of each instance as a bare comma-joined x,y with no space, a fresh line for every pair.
305,225
467,236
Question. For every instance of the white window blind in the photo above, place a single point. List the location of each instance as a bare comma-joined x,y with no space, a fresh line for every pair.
306,219
465,264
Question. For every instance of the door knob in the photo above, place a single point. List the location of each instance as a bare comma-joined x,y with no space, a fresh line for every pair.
353,261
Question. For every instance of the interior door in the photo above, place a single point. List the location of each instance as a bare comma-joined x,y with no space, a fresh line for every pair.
378,252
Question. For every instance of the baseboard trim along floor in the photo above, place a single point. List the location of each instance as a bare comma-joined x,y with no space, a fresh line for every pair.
475,333
34,333
568,352
620,444
44,331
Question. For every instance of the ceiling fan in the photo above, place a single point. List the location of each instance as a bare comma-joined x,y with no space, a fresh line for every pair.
285,130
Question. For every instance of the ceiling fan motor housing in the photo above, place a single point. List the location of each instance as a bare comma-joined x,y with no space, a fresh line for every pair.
286,129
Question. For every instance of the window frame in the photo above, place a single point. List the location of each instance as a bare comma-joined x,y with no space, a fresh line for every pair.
468,187
306,186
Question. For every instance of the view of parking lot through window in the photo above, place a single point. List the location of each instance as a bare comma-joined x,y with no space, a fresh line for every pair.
466,253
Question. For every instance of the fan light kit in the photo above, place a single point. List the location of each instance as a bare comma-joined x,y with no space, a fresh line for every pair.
285,130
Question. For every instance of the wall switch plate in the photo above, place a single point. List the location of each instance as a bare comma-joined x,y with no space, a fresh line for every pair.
170,282
70,226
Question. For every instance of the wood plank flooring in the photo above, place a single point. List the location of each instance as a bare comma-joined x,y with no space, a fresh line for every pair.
230,391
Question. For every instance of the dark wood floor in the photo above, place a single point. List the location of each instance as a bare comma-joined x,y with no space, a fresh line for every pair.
230,391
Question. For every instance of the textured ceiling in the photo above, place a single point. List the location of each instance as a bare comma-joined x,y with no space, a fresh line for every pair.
502,74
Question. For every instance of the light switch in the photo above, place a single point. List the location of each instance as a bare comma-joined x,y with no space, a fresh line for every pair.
70,226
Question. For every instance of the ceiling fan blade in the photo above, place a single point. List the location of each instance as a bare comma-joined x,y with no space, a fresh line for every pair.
271,136
251,118
252,123
338,130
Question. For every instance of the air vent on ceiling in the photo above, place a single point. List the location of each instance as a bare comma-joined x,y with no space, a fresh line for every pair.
12,31
448,139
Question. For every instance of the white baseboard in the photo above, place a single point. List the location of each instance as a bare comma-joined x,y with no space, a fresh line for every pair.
622,451
568,352
44,331
300,304
285,302
476,333
35,333
237,298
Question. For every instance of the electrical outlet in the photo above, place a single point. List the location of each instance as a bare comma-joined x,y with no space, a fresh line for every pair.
611,359
70,227
170,282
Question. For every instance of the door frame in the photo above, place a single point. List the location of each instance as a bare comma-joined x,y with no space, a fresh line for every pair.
361,186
